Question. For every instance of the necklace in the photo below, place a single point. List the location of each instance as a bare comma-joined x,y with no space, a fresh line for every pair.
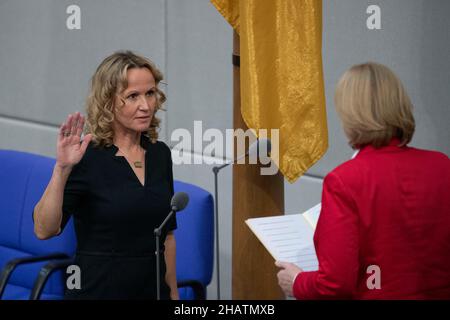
137,164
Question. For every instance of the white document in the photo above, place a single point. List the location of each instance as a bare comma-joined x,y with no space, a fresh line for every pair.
289,238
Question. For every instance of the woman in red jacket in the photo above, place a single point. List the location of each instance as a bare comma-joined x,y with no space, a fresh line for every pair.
384,228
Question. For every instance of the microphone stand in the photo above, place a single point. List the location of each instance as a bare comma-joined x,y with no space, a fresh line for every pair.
216,170
157,233
216,211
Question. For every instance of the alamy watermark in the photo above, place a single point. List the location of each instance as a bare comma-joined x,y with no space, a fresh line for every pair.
374,280
213,142
73,20
74,279
373,22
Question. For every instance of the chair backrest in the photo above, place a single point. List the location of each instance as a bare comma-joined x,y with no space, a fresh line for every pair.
195,237
23,179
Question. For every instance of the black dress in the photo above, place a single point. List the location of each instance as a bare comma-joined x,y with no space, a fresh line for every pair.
114,218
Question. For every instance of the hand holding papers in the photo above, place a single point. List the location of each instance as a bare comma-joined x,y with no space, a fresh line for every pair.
289,238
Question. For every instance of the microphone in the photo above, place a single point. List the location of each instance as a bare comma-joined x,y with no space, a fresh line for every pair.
254,149
178,203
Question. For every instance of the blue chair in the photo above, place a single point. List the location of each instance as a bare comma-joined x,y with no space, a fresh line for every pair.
33,269
23,179
195,239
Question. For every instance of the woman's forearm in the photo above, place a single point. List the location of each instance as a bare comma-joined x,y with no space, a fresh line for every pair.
48,211
171,270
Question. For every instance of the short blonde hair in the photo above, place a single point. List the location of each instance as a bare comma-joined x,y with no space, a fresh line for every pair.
374,106
109,79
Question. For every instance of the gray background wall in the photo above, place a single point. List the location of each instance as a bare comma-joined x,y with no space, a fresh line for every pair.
45,69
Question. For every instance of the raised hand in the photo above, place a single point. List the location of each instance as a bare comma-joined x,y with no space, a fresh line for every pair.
69,148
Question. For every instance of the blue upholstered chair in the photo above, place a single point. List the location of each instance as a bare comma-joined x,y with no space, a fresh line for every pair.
23,179
32,268
195,239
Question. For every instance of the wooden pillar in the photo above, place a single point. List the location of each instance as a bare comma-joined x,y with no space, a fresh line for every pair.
254,195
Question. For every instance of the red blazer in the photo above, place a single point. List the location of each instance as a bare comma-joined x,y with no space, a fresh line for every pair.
388,207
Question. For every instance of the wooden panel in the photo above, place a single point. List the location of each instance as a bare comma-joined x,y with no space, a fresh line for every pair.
254,195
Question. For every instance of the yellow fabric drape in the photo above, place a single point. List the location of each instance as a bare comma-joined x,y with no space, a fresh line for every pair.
281,75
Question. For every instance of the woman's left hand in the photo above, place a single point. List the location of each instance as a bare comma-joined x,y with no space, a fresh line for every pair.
174,295
286,276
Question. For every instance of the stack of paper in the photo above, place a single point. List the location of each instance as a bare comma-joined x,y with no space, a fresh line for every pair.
289,238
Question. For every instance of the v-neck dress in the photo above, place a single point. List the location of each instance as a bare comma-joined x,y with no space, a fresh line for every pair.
114,217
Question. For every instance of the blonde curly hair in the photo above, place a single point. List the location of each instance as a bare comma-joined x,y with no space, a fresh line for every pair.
109,79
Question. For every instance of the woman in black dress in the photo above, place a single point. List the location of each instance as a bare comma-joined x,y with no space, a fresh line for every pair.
117,184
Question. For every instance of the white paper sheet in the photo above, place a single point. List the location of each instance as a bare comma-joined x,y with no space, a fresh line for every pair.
289,238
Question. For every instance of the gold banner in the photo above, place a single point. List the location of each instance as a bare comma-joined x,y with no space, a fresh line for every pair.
281,75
